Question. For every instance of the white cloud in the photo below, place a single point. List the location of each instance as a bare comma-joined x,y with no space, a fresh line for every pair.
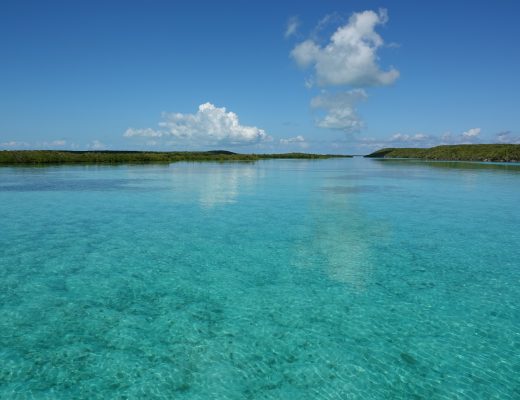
38,144
471,133
306,53
148,132
328,20
418,138
340,110
14,143
97,145
292,26
350,58
467,137
210,125
55,143
397,140
422,140
296,140
507,137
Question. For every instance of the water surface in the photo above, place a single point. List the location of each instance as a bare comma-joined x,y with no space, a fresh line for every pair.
297,279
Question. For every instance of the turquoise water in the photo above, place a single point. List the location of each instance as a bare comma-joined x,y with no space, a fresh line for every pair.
330,279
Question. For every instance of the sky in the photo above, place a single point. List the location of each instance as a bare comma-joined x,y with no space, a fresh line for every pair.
326,76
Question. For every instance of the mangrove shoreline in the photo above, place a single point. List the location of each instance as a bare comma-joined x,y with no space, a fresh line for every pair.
460,152
130,157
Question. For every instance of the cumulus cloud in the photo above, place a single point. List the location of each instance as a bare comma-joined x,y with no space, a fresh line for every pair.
350,58
471,133
209,125
296,140
292,26
340,110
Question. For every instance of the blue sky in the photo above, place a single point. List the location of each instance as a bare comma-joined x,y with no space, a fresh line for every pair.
327,76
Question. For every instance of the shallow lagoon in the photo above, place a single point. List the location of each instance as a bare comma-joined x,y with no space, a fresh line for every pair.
330,279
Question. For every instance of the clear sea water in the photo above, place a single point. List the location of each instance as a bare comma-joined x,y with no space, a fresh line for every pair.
297,279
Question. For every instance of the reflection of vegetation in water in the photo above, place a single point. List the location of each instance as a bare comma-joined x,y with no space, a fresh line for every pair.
453,164
58,157
463,152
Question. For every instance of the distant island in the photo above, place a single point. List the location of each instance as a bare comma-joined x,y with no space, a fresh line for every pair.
118,157
462,152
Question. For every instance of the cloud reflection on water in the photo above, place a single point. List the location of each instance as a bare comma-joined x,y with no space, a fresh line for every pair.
342,236
216,183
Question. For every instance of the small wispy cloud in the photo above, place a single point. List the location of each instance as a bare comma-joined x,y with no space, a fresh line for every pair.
55,143
471,136
331,20
14,143
298,141
507,137
97,145
146,132
292,26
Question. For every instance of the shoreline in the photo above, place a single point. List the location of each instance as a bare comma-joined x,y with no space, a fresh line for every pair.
507,153
17,157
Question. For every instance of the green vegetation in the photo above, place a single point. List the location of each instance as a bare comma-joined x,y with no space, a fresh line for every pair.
462,152
113,157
